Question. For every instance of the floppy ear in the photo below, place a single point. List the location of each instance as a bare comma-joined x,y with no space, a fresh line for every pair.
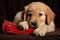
25,12
50,15
24,15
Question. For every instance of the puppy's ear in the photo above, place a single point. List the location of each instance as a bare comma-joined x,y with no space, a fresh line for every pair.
50,15
24,15
25,12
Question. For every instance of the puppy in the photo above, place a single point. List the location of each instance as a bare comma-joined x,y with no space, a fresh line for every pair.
38,15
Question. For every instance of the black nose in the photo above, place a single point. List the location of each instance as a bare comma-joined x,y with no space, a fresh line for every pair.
34,24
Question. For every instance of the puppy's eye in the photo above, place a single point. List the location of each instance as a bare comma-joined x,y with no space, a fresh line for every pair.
30,14
40,14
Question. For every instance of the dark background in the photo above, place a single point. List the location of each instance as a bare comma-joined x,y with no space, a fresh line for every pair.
8,9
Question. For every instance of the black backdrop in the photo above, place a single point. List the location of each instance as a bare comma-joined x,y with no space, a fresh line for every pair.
8,8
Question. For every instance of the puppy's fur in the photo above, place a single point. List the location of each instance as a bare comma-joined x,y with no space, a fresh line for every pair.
39,14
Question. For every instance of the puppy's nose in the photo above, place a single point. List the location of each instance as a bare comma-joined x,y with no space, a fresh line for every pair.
34,24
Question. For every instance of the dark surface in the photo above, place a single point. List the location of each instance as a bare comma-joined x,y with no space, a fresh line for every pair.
49,36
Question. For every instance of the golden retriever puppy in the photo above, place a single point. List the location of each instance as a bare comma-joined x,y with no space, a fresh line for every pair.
36,14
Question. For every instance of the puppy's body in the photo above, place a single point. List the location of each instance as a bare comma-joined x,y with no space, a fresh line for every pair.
39,14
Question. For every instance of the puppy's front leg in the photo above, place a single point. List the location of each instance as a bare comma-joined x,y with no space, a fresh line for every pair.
41,31
24,24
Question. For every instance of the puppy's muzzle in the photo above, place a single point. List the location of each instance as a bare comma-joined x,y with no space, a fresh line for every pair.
34,24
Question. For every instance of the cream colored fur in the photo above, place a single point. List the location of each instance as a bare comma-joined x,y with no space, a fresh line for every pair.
42,27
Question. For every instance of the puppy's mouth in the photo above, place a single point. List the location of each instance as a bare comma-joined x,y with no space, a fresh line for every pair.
34,24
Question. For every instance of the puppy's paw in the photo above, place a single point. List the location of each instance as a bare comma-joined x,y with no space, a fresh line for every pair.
41,31
24,24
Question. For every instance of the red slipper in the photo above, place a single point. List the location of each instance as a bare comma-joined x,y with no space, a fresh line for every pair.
9,27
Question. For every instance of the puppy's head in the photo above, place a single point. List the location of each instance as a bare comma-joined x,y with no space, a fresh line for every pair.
38,13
